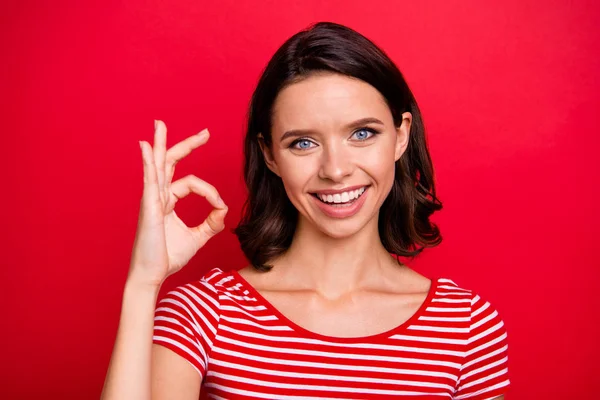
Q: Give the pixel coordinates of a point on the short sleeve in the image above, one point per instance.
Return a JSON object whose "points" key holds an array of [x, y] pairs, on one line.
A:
{"points": [[484, 373], [186, 320]]}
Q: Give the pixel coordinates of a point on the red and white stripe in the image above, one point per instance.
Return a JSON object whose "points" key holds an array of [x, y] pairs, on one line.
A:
{"points": [[455, 346]]}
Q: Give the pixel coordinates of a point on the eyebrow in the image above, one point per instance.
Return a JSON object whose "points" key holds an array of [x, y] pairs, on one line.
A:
{"points": [[355, 124]]}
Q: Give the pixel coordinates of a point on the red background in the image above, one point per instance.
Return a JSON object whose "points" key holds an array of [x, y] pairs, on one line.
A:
{"points": [[510, 96]]}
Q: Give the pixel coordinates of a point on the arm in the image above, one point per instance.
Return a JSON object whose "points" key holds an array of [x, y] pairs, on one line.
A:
{"points": [[173, 376], [128, 375], [138, 369]]}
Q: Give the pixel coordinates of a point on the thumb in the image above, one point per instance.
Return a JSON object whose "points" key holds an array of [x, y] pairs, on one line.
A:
{"points": [[213, 224]]}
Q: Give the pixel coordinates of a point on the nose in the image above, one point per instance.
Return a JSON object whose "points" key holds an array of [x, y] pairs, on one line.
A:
{"points": [[336, 163]]}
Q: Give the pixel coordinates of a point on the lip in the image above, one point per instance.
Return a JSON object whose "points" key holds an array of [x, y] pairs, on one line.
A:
{"points": [[343, 211], [348, 189]]}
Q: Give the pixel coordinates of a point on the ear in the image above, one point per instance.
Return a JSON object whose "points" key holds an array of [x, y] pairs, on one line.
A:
{"points": [[268, 155], [402, 135]]}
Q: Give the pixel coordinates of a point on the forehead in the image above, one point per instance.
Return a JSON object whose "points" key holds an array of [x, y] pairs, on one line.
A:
{"points": [[327, 100]]}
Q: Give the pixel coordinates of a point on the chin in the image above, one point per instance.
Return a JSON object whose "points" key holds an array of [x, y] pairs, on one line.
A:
{"points": [[340, 229]]}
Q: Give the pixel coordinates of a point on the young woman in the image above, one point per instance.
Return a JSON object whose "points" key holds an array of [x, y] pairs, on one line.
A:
{"points": [[340, 184]]}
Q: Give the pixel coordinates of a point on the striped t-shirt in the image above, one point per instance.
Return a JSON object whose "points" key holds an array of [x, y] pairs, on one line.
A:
{"points": [[453, 347]]}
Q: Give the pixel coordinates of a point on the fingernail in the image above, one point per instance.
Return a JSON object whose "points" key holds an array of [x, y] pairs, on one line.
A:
{"points": [[203, 132], [220, 201], [155, 124]]}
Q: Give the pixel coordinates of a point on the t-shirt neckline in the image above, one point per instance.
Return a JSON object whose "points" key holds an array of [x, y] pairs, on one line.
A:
{"points": [[358, 339]]}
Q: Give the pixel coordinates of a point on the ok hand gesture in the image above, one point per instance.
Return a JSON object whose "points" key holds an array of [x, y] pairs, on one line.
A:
{"points": [[163, 242]]}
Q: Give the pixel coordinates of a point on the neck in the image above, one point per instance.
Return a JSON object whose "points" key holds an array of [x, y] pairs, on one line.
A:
{"points": [[334, 266]]}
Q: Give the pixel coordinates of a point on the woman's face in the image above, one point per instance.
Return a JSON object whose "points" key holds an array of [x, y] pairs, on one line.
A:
{"points": [[336, 169]]}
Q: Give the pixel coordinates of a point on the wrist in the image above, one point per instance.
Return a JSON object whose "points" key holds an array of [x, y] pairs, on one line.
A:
{"points": [[139, 280], [141, 286]]}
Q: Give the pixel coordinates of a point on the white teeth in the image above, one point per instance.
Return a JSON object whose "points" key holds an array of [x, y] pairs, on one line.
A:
{"points": [[341, 197]]}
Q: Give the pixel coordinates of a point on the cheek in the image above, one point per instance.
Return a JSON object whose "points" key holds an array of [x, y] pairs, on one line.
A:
{"points": [[295, 173], [381, 165], [381, 158], [383, 172]]}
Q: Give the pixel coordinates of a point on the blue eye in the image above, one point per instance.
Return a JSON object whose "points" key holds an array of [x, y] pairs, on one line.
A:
{"points": [[301, 144], [360, 135], [364, 133]]}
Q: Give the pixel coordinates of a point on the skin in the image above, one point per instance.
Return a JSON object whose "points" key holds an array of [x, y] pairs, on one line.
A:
{"points": [[336, 279], [163, 244], [347, 284]]}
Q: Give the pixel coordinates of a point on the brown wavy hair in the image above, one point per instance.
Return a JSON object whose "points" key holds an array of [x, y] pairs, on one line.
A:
{"points": [[269, 218]]}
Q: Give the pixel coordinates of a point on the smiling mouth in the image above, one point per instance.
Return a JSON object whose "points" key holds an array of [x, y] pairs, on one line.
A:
{"points": [[340, 198]]}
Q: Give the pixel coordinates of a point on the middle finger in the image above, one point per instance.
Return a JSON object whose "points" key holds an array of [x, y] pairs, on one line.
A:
{"points": [[182, 150]]}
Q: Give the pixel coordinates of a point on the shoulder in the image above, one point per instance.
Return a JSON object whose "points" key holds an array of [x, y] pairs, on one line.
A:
{"points": [[483, 317], [187, 318], [198, 297], [212, 282], [209, 291], [447, 287], [194, 307], [484, 373]]}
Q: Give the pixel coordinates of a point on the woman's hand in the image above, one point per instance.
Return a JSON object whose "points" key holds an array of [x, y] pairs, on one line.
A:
{"points": [[163, 242]]}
